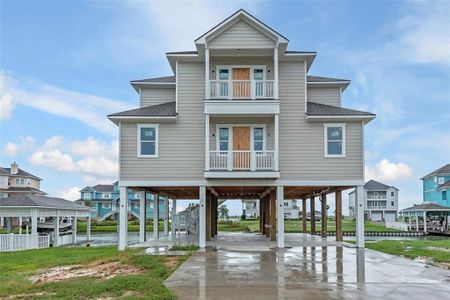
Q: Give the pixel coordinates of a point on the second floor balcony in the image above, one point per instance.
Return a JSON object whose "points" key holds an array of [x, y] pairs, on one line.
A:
{"points": [[241, 89], [242, 160]]}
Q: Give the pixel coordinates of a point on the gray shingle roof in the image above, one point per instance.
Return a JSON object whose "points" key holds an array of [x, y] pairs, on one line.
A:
{"points": [[164, 79], [27, 189], [426, 206], [442, 170], [160, 110], [317, 109], [103, 188], [7, 171], [183, 52], [171, 79], [40, 201], [373, 185]]}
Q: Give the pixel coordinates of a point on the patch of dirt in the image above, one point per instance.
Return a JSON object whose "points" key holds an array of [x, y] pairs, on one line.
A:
{"points": [[429, 261], [31, 296], [170, 261], [104, 271], [441, 249]]}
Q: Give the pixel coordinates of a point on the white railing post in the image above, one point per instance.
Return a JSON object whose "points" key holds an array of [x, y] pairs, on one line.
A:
{"points": [[207, 154], [253, 161], [252, 89], [275, 66], [230, 160], [230, 89]]}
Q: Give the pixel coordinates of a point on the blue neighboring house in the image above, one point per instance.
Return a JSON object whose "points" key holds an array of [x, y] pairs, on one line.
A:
{"points": [[104, 199], [436, 186]]}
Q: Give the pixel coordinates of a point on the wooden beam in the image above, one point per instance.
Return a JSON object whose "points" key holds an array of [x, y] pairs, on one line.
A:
{"points": [[213, 191], [312, 217], [324, 216], [305, 227], [273, 216], [266, 192], [339, 232]]}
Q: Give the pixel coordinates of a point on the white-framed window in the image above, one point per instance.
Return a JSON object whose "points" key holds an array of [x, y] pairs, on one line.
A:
{"points": [[334, 140], [441, 180], [3, 195], [106, 205], [392, 194], [20, 181], [224, 139], [392, 203], [147, 140], [86, 195], [258, 139], [106, 196]]}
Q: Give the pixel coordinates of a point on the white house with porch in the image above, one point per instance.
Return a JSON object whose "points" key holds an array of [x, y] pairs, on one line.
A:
{"points": [[242, 118]]}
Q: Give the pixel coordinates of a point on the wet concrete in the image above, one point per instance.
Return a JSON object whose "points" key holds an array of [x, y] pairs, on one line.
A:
{"points": [[313, 268]]}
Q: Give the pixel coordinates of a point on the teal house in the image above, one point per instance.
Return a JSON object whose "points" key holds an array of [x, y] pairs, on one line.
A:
{"points": [[104, 201], [436, 186]]}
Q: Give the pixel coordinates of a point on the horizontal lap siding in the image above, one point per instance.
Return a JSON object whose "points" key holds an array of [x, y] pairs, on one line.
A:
{"points": [[155, 96], [302, 142], [328, 96], [244, 61], [241, 35], [181, 144]]}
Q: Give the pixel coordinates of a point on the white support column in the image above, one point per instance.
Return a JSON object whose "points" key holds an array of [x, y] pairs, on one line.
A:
{"points": [[280, 217], [88, 227], [142, 232], [56, 230], [409, 221], [275, 67], [9, 222], [20, 225], [174, 216], [166, 216], [277, 140], [74, 228], [123, 218], [207, 142], [417, 222], [156, 215], [207, 84], [34, 217], [360, 217], [424, 221], [202, 218]]}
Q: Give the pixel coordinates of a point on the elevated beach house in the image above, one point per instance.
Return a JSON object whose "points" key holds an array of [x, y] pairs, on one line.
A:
{"points": [[241, 118], [436, 187]]}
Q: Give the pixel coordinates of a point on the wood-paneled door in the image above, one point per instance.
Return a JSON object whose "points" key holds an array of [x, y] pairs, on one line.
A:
{"points": [[241, 148], [241, 83]]}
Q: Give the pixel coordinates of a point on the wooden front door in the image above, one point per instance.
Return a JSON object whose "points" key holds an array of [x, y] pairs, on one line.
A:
{"points": [[241, 147], [241, 83]]}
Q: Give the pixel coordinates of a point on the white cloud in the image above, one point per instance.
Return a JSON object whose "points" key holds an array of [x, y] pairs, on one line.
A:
{"points": [[87, 109], [6, 105], [95, 160], [72, 193], [388, 171], [26, 144]]}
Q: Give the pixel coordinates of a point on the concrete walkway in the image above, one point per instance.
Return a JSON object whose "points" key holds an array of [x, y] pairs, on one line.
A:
{"points": [[246, 267]]}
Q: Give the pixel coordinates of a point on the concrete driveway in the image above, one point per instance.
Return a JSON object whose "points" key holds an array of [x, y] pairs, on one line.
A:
{"points": [[249, 270]]}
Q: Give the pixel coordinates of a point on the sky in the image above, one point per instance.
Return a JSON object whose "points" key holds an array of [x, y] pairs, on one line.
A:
{"points": [[64, 65]]}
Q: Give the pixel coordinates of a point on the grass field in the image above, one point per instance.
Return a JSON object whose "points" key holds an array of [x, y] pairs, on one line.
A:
{"points": [[438, 251], [17, 267]]}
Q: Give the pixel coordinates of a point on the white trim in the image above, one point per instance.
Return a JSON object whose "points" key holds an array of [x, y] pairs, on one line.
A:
{"points": [[207, 128], [242, 107], [275, 76], [176, 87], [280, 217], [363, 152], [120, 151], [207, 84], [153, 83], [325, 140], [333, 117], [241, 174], [306, 87], [276, 129], [156, 127], [230, 134]]}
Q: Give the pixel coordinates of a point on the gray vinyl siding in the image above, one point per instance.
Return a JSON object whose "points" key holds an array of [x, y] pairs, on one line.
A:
{"points": [[240, 61], [155, 96], [302, 142], [181, 144], [216, 121], [241, 35], [328, 96]]}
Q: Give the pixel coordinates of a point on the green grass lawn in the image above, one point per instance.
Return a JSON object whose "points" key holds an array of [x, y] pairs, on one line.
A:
{"points": [[17, 267], [437, 250]]}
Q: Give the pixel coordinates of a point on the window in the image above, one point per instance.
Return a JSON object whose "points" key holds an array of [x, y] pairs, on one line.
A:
{"points": [[392, 203], [3, 181], [147, 140], [286, 203], [3, 195], [86, 195], [334, 140], [258, 74], [444, 195], [441, 180], [258, 139], [106, 205], [20, 181], [224, 134], [392, 194], [224, 74], [107, 195]]}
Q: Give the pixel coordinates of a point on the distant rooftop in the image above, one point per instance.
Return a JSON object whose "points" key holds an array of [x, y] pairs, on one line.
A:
{"points": [[427, 207], [41, 202], [442, 170], [7, 171], [373, 185]]}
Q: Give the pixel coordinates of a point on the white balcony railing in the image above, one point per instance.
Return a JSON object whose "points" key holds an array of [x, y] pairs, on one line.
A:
{"points": [[242, 160], [241, 89]]}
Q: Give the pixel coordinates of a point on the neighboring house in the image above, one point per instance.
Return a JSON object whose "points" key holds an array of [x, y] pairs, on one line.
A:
{"points": [[380, 202], [104, 201], [291, 210], [15, 181], [250, 208], [436, 186], [241, 118]]}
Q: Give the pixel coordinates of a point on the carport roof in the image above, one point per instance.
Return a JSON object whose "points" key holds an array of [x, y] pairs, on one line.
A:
{"points": [[38, 201]]}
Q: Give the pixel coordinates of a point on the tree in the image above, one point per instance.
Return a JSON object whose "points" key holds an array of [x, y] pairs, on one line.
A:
{"points": [[223, 212]]}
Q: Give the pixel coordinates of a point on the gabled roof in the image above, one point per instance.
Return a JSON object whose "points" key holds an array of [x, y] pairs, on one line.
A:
{"points": [[164, 79], [160, 110], [427, 207], [318, 109], [40, 201], [103, 188], [373, 185], [240, 14], [312, 78], [26, 190], [442, 170], [7, 171]]}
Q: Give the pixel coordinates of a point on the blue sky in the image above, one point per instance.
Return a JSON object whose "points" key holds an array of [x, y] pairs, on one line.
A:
{"points": [[66, 64]]}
